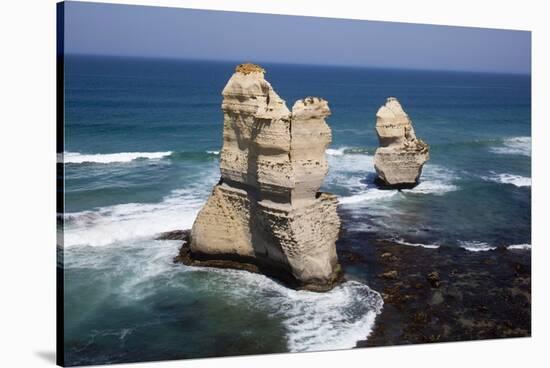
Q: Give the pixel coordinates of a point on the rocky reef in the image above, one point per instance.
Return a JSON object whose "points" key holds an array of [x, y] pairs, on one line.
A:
{"points": [[266, 214], [399, 158]]}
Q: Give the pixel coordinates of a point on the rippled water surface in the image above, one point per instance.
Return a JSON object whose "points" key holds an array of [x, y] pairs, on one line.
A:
{"points": [[142, 145]]}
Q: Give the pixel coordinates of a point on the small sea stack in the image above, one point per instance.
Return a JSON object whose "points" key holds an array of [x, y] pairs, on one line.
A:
{"points": [[399, 158], [266, 214]]}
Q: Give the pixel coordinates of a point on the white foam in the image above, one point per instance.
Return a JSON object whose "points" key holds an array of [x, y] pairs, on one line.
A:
{"points": [[519, 247], [314, 321], [432, 187], [346, 151], [352, 170], [117, 223], [514, 146], [216, 153], [335, 151], [333, 320], [374, 194], [369, 195], [402, 241], [354, 174], [107, 158], [435, 180], [476, 246], [517, 180]]}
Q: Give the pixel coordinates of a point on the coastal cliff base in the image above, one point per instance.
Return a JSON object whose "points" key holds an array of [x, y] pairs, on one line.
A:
{"points": [[251, 264]]}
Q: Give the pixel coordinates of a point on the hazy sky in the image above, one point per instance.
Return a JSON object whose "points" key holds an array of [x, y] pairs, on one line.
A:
{"points": [[105, 29]]}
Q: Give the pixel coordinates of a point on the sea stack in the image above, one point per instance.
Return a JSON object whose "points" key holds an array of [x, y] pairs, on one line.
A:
{"points": [[266, 214], [399, 159]]}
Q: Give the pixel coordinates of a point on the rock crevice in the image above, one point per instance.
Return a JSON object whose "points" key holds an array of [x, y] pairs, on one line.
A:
{"points": [[266, 214]]}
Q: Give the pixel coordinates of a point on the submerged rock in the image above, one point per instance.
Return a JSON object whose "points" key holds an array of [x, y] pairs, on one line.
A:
{"points": [[434, 279], [390, 275], [266, 214], [399, 159]]}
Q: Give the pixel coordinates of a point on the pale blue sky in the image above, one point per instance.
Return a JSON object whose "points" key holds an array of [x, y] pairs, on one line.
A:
{"points": [[126, 30]]}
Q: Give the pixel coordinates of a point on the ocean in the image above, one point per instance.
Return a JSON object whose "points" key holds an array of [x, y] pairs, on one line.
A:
{"points": [[142, 142]]}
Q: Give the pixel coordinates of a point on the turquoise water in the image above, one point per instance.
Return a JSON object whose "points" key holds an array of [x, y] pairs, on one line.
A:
{"points": [[142, 141]]}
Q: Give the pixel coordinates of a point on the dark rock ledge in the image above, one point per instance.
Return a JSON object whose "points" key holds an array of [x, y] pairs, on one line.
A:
{"points": [[445, 294]]}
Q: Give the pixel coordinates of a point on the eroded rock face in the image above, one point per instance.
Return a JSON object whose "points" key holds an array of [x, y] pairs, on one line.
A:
{"points": [[267, 210], [400, 157]]}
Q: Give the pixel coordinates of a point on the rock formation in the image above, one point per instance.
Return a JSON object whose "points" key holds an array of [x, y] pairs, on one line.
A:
{"points": [[400, 157], [266, 214]]}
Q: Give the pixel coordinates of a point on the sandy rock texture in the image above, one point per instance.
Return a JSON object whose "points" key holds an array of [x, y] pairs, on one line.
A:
{"points": [[401, 155], [267, 212]]}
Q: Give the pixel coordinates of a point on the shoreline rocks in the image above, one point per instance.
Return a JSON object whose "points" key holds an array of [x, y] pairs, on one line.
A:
{"points": [[399, 158], [266, 214], [440, 295]]}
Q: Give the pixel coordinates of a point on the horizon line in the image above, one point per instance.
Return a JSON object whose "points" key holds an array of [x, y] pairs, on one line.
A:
{"points": [[356, 66]]}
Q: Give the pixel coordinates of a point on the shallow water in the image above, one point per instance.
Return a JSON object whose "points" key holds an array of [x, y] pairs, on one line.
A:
{"points": [[142, 145]]}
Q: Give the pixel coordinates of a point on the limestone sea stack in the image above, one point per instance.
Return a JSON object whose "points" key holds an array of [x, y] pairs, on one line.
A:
{"points": [[266, 214], [399, 158]]}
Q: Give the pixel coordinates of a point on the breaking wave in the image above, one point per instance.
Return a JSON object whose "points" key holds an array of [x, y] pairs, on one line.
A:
{"points": [[519, 247], [107, 225], [346, 151], [107, 158], [476, 246], [313, 321], [404, 242], [436, 187], [369, 195], [514, 146], [335, 152], [354, 173], [517, 180]]}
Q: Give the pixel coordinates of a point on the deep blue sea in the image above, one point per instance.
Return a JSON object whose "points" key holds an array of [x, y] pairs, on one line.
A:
{"points": [[142, 142]]}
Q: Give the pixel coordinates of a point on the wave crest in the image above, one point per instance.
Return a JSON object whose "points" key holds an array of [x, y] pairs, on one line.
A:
{"points": [[108, 158], [514, 146], [519, 247], [517, 180], [346, 151], [404, 242], [121, 222], [369, 195], [436, 181], [476, 246], [432, 187]]}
